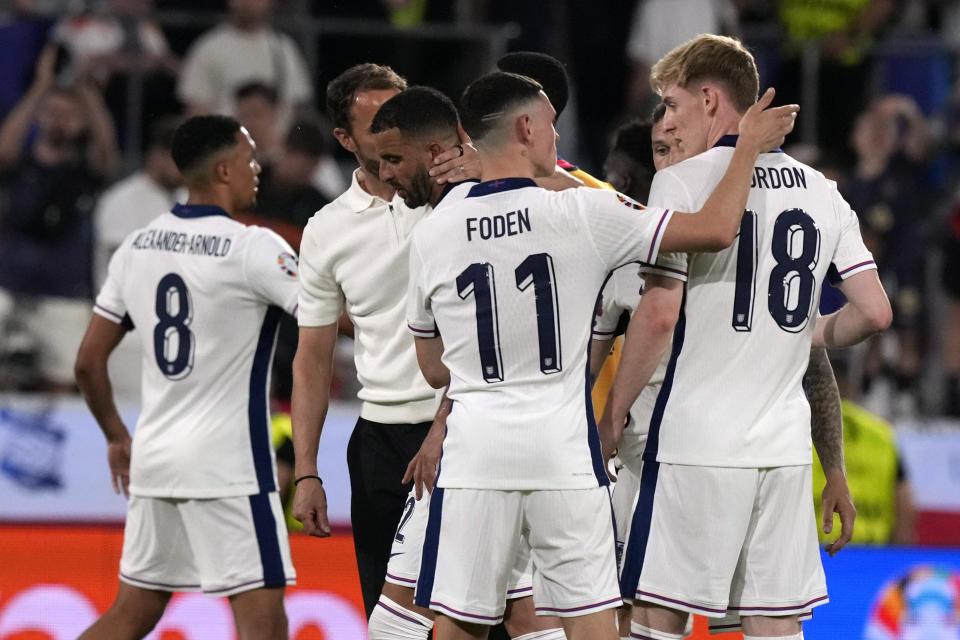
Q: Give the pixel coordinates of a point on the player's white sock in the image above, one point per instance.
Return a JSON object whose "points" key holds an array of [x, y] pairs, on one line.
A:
{"points": [[640, 632], [796, 636], [390, 621], [549, 634]]}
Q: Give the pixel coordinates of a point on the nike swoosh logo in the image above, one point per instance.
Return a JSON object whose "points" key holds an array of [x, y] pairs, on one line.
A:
{"points": [[396, 554]]}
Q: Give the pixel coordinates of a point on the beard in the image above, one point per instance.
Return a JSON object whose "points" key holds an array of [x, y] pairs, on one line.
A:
{"points": [[419, 191]]}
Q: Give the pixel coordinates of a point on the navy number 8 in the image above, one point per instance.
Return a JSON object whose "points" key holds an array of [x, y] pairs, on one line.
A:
{"points": [[172, 339]]}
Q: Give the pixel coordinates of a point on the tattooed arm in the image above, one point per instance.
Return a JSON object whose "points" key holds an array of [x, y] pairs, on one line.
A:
{"points": [[826, 431]]}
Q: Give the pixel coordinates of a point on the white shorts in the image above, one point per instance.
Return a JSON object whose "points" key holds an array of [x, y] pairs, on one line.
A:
{"points": [[473, 536], [221, 546], [624, 501], [713, 540], [407, 551]]}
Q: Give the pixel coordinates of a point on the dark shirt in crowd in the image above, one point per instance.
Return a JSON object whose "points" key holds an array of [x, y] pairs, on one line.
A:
{"points": [[46, 228]]}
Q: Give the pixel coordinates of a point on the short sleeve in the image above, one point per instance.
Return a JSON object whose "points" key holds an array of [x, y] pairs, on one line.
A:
{"points": [[321, 299], [617, 301], [271, 269], [851, 255], [420, 320], [110, 303], [622, 230], [669, 265], [669, 192]]}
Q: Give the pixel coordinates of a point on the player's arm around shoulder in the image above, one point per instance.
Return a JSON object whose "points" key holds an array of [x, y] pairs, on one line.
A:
{"points": [[715, 226]]}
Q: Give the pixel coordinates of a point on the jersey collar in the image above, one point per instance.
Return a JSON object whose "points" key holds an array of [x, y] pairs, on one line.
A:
{"points": [[451, 186], [730, 140], [499, 185], [197, 210]]}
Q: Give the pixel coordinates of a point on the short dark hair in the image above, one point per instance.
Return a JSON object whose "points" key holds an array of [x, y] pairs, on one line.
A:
{"points": [[658, 112], [201, 137], [633, 140], [491, 96], [417, 111], [545, 69], [362, 77], [256, 88], [307, 136]]}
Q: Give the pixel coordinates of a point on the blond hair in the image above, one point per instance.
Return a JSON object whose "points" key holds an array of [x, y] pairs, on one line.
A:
{"points": [[710, 58]]}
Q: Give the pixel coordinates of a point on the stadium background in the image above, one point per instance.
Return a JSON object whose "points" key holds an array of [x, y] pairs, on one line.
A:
{"points": [[61, 525]]}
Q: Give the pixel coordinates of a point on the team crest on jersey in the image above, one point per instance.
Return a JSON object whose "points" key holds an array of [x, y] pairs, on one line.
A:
{"points": [[288, 264], [627, 202]]}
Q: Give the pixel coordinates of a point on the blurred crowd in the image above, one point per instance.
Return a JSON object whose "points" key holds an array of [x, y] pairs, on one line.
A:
{"points": [[91, 91]]}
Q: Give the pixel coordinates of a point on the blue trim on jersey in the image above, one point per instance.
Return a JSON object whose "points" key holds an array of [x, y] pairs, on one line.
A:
{"points": [[257, 414], [450, 187], [197, 210], [643, 513], [730, 140], [265, 526], [593, 433], [499, 185], [431, 544]]}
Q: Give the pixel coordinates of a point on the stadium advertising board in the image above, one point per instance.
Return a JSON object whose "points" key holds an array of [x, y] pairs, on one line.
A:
{"points": [[54, 581], [53, 462]]}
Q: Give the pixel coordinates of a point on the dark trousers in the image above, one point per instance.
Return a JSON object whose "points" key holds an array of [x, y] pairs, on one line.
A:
{"points": [[377, 457]]}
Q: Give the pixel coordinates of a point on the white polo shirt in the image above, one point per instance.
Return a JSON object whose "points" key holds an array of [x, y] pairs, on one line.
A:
{"points": [[354, 256]]}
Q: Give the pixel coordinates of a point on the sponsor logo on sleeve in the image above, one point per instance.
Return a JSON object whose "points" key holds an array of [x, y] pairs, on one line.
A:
{"points": [[627, 202], [288, 264]]}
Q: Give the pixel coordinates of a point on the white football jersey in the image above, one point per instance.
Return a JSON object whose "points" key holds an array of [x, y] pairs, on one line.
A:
{"points": [[733, 392], [205, 293], [618, 302], [509, 278]]}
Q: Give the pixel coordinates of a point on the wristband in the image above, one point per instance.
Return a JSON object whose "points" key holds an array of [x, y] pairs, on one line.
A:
{"points": [[297, 481]]}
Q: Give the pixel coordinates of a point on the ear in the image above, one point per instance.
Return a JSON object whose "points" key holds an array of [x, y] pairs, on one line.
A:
{"points": [[434, 149], [524, 127], [221, 171], [345, 139], [710, 96]]}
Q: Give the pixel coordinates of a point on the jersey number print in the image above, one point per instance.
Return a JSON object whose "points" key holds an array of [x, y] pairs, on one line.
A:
{"points": [[172, 338], [790, 293], [536, 269]]}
